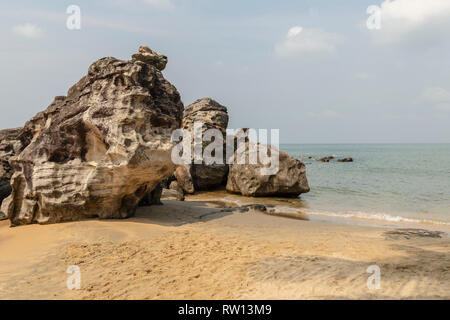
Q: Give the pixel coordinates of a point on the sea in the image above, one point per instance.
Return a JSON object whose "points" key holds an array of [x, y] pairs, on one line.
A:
{"points": [[386, 182]]}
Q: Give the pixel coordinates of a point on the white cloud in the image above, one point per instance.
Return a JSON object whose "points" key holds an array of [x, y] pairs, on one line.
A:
{"points": [[160, 4], [300, 40], [28, 30], [324, 114], [362, 75], [413, 20], [438, 96]]}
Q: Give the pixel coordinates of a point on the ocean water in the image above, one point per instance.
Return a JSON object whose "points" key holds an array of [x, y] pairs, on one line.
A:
{"points": [[393, 182]]}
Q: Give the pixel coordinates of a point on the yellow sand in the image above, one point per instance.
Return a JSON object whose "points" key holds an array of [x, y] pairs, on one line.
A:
{"points": [[191, 250]]}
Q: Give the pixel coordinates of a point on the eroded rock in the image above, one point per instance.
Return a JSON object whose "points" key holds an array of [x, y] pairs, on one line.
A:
{"points": [[213, 115], [99, 151], [9, 146], [148, 56]]}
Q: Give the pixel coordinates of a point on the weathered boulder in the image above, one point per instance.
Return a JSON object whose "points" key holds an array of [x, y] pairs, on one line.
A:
{"points": [[99, 151], [192, 176], [148, 56], [9, 146], [248, 179]]}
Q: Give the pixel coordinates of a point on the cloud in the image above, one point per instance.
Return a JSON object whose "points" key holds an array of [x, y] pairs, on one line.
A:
{"points": [[438, 96], [413, 21], [362, 75], [299, 40], [324, 114], [161, 4], [28, 30]]}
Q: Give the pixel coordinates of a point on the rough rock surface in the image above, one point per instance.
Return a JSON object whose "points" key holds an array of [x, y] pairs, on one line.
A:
{"points": [[99, 151], [289, 181], [184, 178], [9, 146], [147, 55], [213, 116]]}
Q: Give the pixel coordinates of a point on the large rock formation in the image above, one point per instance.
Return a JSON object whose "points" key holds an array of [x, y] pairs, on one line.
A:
{"points": [[249, 180], [9, 146], [99, 151], [201, 176]]}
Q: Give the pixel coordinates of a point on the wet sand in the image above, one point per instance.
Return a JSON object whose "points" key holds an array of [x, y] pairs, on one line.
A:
{"points": [[197, 250]]}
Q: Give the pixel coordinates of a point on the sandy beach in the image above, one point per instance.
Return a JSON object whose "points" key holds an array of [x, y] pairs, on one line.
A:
{"points": [[198, 250]]}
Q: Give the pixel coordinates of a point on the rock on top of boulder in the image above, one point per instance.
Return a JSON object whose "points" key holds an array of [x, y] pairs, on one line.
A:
{"points": [[206, 110], [147, 55]]}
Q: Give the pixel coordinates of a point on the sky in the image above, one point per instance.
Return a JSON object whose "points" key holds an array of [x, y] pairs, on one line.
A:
{"points": [[320, 71]]}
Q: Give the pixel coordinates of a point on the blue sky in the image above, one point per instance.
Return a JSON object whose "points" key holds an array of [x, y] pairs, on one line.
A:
{"points": [[310, 68]]}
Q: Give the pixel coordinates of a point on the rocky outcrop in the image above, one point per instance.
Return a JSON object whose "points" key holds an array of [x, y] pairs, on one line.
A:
{"points": [[99, 151], [247, 179], [192, 176], [9, 146]]}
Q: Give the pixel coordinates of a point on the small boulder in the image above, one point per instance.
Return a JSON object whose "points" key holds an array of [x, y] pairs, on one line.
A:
{"points": [[289, 181], [172, 194], [184, 178]]}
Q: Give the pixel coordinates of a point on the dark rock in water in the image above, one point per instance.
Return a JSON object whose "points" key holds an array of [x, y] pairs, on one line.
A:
{"points": [[99, 151], [325, 159], [201, 176], [289, 181], [346, 160]]}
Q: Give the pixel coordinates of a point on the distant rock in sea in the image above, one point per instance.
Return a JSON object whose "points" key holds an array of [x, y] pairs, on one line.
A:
{"points": [[346, 160], [325, 159], [102, 149]]}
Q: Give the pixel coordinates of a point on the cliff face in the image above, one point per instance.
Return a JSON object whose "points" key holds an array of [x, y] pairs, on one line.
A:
{"points": [[99, 151]]}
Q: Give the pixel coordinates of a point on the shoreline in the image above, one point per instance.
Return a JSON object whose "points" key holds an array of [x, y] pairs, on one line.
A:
{"points": [[297, 206], [198, 250]]}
